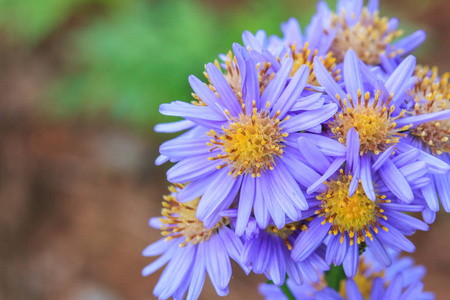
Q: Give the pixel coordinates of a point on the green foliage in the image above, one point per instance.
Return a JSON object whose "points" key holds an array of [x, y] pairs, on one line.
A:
{"points": [[139, 57], [334, 276], [136, 59]]}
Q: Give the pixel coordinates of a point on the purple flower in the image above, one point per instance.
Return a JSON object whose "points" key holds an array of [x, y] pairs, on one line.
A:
{"points": [[345, 222], [401, 280], [190, 251], [240, 140], [430, 97], [371, 127], [361, 29]]}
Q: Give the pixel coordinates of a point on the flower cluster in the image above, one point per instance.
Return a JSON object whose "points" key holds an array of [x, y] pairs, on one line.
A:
{"points": [[301, 152]]}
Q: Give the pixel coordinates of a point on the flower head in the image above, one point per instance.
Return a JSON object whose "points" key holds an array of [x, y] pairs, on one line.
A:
{"points": [[431, 95], [360, 28], [373, 125], [428, 102], [190, 250], [241, 139], [345, 222]]}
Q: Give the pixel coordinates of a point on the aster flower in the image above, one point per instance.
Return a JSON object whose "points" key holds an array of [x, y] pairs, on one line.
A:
{"points": [[431, 96], [371, 128], [240, 136], [345, 223], [190, 250], [267, 251], [401, 280], [301, 49], [360, 28]]}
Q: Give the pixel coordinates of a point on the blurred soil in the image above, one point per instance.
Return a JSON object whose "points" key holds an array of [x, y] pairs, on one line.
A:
{"points": [[76, 195]]}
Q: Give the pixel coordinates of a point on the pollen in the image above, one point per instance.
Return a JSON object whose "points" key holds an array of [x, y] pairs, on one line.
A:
{"points": [[304, 56], [369, 37], [179, 220], [355, 214], [377, 128], [431, 94], [250, 142]]}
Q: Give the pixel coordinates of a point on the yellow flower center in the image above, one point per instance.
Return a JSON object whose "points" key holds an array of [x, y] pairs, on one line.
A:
{"points": [[304, 57], [369, 37], [350, 214], [377, 129], [250, 143], [362, 280], [179, 220], [432, 94]]}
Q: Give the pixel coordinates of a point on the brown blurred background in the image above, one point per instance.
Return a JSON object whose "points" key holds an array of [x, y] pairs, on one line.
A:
{"points": [[80, 83]]}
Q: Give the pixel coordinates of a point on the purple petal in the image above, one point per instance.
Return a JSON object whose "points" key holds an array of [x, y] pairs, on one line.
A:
{"points": [[308, 241], [219, 190], [217, 262], [411, 42], [382, 158], [309, 150], [352, 290], [366, 177], [228, 99], [400, 78], [335, 165], [352, 75], [396, 182], [247, 197], [327, 145], [174, 126], [326, 80], [192, 168], [311, 118], [351, 260], [277, 84]]}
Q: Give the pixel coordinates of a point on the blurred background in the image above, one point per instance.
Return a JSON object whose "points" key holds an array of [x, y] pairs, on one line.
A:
{"points": [[80, 84]]}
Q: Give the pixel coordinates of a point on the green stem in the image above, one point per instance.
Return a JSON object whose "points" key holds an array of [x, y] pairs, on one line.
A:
{"points": [[285, 289], [334, 276]]}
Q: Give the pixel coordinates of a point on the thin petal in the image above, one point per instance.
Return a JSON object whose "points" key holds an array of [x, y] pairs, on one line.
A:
{"points": [[311, 118], [326, 80], [351, 260], [277, 84], [292, 92], [228, 99], [308, 241], [396, 182], [217, 263], [401, 78], [246, 200], [335, 165], [382, 158], [352, 75], [352, 290], [313, 154], [366, 177], [174, 126]]}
